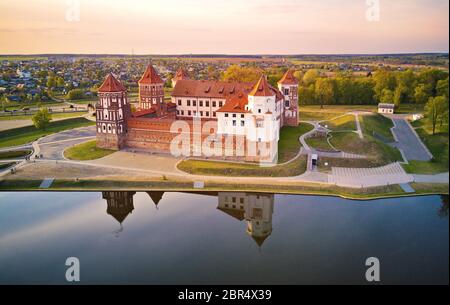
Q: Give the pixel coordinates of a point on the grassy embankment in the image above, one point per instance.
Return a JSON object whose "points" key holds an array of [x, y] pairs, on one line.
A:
{"points": [[169, 185], [86, 151], [23, 135], [438, 146], [66, 115], [6, 155], [288, 148]]}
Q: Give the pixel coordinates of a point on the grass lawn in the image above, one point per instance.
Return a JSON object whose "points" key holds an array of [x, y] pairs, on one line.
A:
{"points": [[317, 116], [319, 143], [214, 168], [378, 151], [410, 108], [6, 165], [20, 105], [54, 116], [289, 144], [346, 122], [14, 154], [339, 109], [378, 124], [23, 135], [438, 146], [86, 151]]}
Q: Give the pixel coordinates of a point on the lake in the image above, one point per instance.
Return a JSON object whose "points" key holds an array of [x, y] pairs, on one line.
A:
{"points": [[220, 238]]}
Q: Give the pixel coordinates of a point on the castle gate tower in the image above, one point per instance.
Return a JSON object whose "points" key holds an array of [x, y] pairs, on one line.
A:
{"points": [[151, 92], [288, 85]]}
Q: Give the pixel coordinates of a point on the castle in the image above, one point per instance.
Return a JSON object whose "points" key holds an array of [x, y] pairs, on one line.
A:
{"points": [[242, 120]]}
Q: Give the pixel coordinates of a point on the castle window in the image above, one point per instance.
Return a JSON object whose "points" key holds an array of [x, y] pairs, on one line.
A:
{"points": [[189, 112], [259, 110], [234, 115], [207, 103], [182, 112], [178, 112], [207, 113], [201, 113], [286, 91], [189, 102], [214, 104], [214, 114], [226, 115], [241, 200], [220, 104], [179, 102], [201, 103], [286, 103], [242, 123], [234, 122], [194, 103], [242, 116]]}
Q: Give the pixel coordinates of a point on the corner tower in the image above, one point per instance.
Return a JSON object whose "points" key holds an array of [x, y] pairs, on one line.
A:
{"points": [[113, 110], [288, 85], [180, 75], [151, 92]]}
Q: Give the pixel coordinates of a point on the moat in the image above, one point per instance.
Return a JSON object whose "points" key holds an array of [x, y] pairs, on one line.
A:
{"points": [[220, 238]]}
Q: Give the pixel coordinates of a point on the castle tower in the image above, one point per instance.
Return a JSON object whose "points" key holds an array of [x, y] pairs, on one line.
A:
{"points": [[113, 110], [288, 85], [258, 214], [120, 204], [180, 75], [151, 92]]}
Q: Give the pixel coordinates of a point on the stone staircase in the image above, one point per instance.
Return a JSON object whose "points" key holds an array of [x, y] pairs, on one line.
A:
{"points": [[368, 177]]}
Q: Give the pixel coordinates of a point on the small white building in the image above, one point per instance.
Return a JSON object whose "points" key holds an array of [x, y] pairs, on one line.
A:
{"points": [[385, 108]]}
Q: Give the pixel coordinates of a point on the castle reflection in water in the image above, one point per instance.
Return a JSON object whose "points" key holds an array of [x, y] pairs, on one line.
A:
{"points": [[256, 209]]}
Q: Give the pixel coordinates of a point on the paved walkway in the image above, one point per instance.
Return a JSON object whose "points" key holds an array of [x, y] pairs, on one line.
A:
{"points": [[409, 142], [369, 177]]}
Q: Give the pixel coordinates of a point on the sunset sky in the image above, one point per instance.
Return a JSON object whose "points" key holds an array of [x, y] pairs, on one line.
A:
{"points": [[222, 26]]}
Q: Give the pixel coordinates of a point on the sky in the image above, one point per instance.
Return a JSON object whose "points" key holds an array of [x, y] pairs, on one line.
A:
{"points": [[223, 26]]}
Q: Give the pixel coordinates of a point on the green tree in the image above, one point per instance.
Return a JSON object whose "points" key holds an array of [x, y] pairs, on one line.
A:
{"points": [[384, 80], [51, 82], [422, 93], [60, 81], [442, 87], [436, 110], [42, 118], [75, 94], [324, 90], [237, 73], [387, 96], [310, 77], [306, 95]]}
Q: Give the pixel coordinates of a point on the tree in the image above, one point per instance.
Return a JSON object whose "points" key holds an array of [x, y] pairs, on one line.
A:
{"points": [[310, 77], [241, 74], [422, 93], [306, 95], [436, 109], [5, 101], [387, 96], [75, 94], [324, 90], [60, 81], [51, 82], [400, 94], [42, 118], [442, 88], [384, 80]]}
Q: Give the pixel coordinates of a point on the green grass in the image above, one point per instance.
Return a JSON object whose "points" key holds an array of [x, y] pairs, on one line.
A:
{"points": [[339, 109], [438, 146], [214, 168], [319, 143], [378, 124], [343, 123], [289, 144], [317, 116], [23, 135], [376, 150], [54, 116], [86, 151], [14, 154], [410, 108], [20, 105]]}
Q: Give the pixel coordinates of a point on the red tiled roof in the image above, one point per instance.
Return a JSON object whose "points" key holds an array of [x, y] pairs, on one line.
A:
{"points": [[111, 84], [210, 89], [150, 76], [181, 74], [143, 112], [288, 78], [262, 88], [235, 104]]}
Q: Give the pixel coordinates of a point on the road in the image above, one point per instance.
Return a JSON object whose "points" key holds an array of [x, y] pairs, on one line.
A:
{"points": [[409, 142]]}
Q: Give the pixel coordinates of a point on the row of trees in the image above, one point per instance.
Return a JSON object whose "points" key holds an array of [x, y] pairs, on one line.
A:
{"points": [[383, 87]]}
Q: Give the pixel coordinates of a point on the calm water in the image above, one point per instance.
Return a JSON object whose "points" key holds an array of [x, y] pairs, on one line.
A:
{"points": [[225, 238]]}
